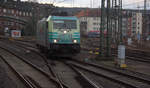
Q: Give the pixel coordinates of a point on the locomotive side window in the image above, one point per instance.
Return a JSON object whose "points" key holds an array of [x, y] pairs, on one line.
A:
{"points": [[46, 25], [65, 24]]}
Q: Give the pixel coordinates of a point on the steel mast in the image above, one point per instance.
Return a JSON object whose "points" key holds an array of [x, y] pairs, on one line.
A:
{"points": [[102, 28]]}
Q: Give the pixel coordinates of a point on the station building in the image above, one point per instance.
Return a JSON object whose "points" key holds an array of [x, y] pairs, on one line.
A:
{"points": [[27, 11], [13, 9]]}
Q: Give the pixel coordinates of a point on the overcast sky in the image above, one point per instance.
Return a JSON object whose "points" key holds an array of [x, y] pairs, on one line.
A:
{"points": [[88, 3]]}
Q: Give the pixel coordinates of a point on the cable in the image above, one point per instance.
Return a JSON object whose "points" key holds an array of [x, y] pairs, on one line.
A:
{"points": [[139, 2]]}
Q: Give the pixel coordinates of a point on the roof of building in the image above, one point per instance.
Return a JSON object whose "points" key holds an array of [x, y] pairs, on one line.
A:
{"points": [[62, 18], [89, 13]]}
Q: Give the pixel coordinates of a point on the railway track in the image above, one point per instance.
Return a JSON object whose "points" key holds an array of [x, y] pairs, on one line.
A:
{"points": [[129, 56], [72, 82], [128, 80], [37, 73], [71, 76], [95, 44], [135, 56], [25, 79], [125, 78], [25, 40], [55, 74], [28, 44]]}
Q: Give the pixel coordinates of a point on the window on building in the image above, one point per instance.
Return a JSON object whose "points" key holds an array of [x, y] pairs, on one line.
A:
{"points": [[1, 22], [17, 12], [4, 10], [30, 14], [94, 18], [5, 23], [12, 23], [85, 18], [134, 18], [94, 23], [12, 11], [24, 14], [94, 28], [9, 23], [9, 11], [20, 13]]}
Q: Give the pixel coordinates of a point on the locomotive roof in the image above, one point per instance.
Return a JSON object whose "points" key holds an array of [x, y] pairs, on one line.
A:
{"points": [[62, 18]]}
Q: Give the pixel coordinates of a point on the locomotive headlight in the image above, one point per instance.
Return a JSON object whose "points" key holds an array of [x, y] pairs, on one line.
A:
{"points": [[75, 41], [65, 32], [55, 41]]}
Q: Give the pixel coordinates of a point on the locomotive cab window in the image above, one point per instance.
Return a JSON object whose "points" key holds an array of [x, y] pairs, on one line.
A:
{"points": [[65, 24], [46, 25]]}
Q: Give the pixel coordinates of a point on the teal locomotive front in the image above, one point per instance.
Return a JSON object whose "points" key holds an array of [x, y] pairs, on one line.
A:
{"points": [[64, 34], [64, 37], [59, 35]]}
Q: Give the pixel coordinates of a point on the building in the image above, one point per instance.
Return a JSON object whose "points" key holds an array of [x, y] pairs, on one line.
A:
{"points": [[89, 20], [28, 11], [126, 23], [136, 24], [131, 22], [13, 9]]}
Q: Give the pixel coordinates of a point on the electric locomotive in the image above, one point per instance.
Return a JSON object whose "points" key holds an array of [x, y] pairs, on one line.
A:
{"points": [[58, 35]]}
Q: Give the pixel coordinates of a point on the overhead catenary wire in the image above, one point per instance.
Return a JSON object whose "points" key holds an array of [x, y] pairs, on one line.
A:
{"points": [[134, 4], [130, 4]]}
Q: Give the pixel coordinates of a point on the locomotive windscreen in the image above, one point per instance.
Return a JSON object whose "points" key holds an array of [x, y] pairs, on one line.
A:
{"points": [[65, 24]]}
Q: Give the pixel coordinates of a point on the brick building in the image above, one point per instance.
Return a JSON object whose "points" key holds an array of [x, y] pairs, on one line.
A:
{"points": [[28, 11], [14, 9]]}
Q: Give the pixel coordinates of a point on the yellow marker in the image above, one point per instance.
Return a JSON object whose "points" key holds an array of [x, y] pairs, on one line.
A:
{"points": [[123, 65], [11, 39], [90, 51], [97, 48], [96, 53], [20, 38]]}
